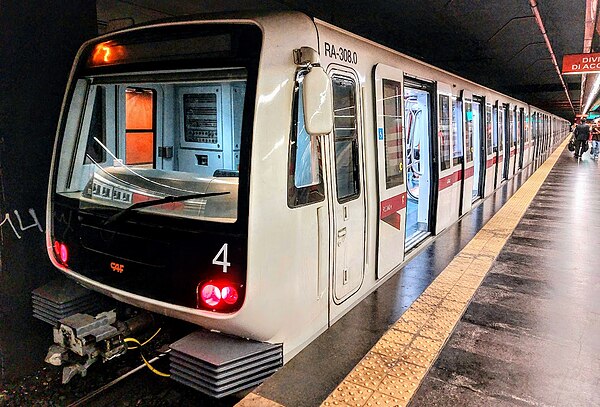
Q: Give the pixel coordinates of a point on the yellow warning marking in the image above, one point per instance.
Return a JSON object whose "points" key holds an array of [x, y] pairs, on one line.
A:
{"points": [[255, 400], [392, 371]]}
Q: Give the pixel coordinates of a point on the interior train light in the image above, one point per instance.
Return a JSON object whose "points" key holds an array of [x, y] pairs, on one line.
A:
{"points": [[61, 251]]}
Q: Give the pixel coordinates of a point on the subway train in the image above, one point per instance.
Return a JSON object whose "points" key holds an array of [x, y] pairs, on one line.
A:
{"points": [[258, 176]]}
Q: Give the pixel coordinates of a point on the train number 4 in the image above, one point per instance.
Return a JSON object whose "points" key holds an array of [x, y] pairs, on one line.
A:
{"points": [[224, 263]]}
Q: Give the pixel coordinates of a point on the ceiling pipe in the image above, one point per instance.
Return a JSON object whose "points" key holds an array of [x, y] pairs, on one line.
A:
{"points": [[540, 23]]}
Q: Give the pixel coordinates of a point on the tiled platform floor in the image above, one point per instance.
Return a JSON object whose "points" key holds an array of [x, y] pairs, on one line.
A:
{"points": [[531, 335]]}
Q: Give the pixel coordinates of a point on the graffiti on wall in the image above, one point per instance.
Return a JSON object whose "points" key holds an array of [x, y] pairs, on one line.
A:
{"points": [[15, 222]]}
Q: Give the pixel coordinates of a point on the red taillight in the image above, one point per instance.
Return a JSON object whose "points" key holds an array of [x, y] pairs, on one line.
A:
{"points": [[215, 294], [61, 251], [211, 295], [229, 295]]}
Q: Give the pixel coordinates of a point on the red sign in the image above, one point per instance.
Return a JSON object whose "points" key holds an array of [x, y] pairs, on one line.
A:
{"points": [[581, 63]]}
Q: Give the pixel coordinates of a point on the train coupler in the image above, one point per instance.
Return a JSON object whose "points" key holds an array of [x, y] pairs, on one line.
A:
{"points": [[81, 339]]}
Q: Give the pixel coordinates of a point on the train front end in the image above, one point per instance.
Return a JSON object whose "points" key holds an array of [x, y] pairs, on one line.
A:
{"points": [[149, 192]]}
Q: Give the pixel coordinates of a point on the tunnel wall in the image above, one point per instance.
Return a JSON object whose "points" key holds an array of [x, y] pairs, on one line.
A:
{"points": [[39, 40]]}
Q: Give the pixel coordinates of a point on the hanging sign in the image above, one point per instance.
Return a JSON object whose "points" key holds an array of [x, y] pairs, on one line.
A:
{"points": [[581, 63]]}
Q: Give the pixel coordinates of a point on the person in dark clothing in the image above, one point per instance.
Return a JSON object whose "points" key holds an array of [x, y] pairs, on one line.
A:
{"points": [[582, 135], [595, 150]]}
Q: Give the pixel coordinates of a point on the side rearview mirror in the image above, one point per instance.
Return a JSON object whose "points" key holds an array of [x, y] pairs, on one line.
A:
{"points": [[317, 95]]}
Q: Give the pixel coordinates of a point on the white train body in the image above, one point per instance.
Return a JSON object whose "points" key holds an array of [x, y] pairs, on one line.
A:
{"points": [[316, 244]]}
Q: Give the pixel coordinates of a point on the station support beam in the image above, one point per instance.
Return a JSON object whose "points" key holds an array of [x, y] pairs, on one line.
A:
{"points": [[39, 40]]}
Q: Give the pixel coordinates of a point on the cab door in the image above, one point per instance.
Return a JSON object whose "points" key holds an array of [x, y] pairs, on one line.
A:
{"points": [[389, 106], [348, 205], [469, 165], [449, 172]]}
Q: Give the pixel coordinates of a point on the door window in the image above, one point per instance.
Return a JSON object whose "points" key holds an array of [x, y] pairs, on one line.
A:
{"points": [[468, 131], [488, 130], [346, 139], [457, 131], [392, 130], [444, 131]]}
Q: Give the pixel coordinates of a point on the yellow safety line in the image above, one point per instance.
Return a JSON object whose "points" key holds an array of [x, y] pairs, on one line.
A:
{"points": [[256, 400], [392, 371]]}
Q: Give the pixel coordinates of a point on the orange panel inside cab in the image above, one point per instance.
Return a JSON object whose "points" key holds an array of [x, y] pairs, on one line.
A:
{"points": [[139, 134]]}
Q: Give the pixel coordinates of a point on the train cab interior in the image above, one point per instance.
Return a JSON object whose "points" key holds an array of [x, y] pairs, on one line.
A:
{"points": [[141, 140]]}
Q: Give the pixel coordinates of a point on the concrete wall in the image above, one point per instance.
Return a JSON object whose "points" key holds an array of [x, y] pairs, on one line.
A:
{"points": [[38, 41]]}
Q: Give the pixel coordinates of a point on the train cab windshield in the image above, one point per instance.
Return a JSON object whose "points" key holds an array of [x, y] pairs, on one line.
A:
{"points": [[155, 125]]}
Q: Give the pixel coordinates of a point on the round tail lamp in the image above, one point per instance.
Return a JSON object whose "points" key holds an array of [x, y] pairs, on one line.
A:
{"points": [[61, 252]]}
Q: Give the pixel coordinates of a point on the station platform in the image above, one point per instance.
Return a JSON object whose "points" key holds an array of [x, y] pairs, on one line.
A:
{"points": [[501, 309]]}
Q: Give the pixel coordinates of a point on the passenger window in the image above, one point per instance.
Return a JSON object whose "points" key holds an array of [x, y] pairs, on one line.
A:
{"points": [[94, 153], [457, 131], [468, 131], [346, 139], [444, 130], [488, 129], [392, 129], [305, 179], [139, 126]]}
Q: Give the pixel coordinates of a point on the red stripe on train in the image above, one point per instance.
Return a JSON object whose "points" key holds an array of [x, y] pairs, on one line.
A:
{"points": [[448, 180], [392, 205]]}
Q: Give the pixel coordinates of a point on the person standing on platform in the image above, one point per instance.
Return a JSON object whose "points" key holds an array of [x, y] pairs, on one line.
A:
{"points": [[582, 135], [595, 150]]}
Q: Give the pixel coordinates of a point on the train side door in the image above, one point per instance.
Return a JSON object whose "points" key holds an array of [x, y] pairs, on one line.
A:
{"points": [[478, 147], [419, 120], [510, 141], [389, 105], [523, 132], [469, 165], [490, 151], [506, 138], [496, 143], [448, 187], [458, 155], [347, 186], [517, 139]]}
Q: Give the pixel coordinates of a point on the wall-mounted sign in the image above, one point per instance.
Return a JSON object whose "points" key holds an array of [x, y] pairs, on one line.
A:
{"points": [[581, 63]]}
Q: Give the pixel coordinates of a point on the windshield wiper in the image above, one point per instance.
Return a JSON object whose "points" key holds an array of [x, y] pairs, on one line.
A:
{"points": [[167, 199]]}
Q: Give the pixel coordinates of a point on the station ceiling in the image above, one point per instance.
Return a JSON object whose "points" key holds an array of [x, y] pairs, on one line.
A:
{"points": [[495, 43]]}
